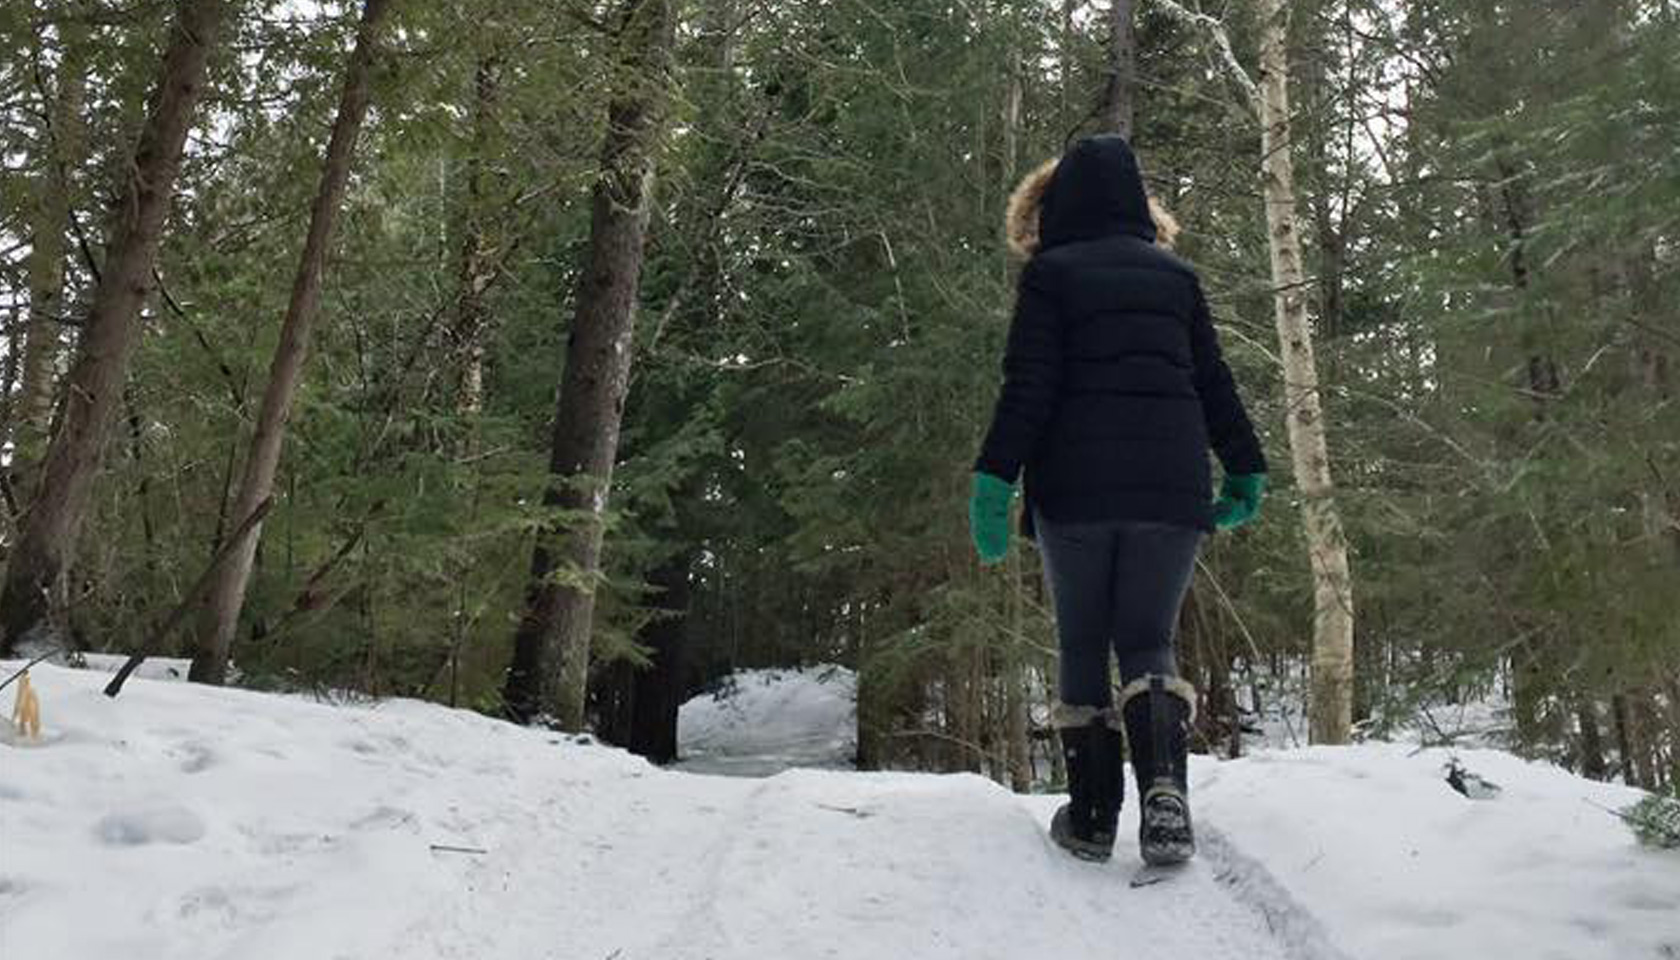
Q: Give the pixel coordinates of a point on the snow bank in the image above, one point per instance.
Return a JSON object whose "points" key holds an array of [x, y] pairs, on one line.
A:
{"points": [[190, 823], [760, 722], [152, 668], [187, 823], [1398, 866]]}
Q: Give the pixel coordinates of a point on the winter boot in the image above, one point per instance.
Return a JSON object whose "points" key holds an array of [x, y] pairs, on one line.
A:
{"points": [[1094, 749], [1158, 712]]}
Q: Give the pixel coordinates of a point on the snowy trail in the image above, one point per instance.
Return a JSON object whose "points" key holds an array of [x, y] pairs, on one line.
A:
{"points": [[187, 823], [200, 824], [824, 865]]}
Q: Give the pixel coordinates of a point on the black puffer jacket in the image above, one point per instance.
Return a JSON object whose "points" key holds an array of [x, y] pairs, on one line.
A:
{"points": [[1114, 384]]}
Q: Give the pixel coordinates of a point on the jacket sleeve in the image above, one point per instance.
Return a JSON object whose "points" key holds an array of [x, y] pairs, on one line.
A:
{"points": [[1229, 430], [1032, 377]]}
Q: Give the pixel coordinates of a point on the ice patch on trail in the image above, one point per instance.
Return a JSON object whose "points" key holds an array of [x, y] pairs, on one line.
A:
{"points": [[761, 722]]}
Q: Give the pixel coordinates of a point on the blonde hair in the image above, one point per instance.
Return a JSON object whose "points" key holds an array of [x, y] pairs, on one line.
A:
{"points": [[1166, 225]]}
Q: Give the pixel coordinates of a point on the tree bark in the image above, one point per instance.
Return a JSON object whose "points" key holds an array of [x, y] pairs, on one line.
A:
{"points": [[1332, 657], [550, 665], [1624, 739], [219, 618], [1591, 741], [1119, 105], [110, 332], [48, 247], [477, 264], [656, 692]]}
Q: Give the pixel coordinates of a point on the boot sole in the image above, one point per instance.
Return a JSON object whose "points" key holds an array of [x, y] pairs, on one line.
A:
{"points": [[1172, 843], [1089, 852], [1165, 855], [1093, 851]]}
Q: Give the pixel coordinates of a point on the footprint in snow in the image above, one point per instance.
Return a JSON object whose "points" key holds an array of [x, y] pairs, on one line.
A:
{"points": [[288, 844], [196, 757], [1430, 917], [230, 907], [384, 817], [1645, 900], [137, 828]]}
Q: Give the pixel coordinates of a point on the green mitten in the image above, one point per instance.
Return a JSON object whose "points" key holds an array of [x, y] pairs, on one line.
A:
{"points": [[1239, 500], [988, 516]]}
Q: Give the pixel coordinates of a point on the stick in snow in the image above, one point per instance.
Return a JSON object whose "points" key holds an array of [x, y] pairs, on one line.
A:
{"points": [[50, 651], [446, 848]]}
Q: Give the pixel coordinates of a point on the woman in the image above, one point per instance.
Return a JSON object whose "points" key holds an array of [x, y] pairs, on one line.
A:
{"points": [[1114, 391]]}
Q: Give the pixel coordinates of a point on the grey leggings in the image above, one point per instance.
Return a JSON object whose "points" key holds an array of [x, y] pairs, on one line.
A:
{"points": [[1118, 585]]}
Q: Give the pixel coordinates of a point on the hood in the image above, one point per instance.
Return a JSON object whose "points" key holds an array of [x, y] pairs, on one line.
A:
{"points": [[1094, 190]]}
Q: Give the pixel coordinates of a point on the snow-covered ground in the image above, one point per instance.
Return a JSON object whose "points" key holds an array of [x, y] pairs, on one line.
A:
{"points": [[760, 722], [187, 822], [1396, 865]]}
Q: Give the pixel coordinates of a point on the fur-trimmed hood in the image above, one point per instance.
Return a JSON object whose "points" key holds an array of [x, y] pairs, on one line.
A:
{"points": [[1094, 190]]}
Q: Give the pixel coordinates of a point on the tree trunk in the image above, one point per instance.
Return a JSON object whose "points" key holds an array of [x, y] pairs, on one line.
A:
{"points": [[1020, 746], [550, 665], [873, 717], [1015, 677], [656, 692], [1649, 724], [1591, 752], [1672, 695], [476, 265], [1119, 104], [1332, 658], [220, 616], [48, 246], [110, 332], [1624, 749]]}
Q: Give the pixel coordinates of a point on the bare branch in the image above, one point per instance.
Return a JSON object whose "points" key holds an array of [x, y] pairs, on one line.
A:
{"points": [[1215, 29]]}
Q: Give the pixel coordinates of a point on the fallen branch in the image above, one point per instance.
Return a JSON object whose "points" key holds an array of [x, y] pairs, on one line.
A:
{"points": [[193, 598]]}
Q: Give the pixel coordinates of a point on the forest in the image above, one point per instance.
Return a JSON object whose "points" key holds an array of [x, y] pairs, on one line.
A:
{"points": [[558, 359]]}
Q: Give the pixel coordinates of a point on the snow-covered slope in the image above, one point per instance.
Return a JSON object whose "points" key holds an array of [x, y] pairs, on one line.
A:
{"points": [[760, 722], [1398, 866], [185, 822]]}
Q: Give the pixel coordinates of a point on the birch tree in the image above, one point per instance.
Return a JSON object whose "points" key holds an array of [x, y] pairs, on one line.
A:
{"points": [[1331, 716], [220, 616], [1331, 705]]}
